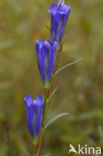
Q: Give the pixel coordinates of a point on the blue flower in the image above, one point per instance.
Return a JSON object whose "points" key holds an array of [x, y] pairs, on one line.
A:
{"points": [[34, 114], [46, 54], [59, 16]]}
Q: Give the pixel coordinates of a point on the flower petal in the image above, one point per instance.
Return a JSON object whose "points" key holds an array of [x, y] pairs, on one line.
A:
{"points": [[53, 8], [28, 100]]}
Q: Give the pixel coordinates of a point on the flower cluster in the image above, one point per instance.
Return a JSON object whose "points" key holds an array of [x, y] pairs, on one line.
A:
{"points": [[46, 58]]}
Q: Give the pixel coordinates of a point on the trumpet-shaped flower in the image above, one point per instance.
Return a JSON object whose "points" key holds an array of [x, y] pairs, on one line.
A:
{"points": [[46, 53], [59, 16], [34, 114]]}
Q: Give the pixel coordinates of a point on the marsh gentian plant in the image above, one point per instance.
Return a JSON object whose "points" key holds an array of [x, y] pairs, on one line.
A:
{"points": [[47, 57]]}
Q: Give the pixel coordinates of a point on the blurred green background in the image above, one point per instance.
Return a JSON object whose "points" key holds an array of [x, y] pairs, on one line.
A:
{"points": [[80, 87]]}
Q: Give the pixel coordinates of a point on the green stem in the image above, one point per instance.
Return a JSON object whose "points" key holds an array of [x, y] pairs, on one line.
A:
{"points": [[43, 123], [34, 151], [46, 89], [35, 143]]}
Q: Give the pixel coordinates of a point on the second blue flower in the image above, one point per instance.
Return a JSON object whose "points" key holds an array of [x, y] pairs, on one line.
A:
{"points": [[46, 53]]}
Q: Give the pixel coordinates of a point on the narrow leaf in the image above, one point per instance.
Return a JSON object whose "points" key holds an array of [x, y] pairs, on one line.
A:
{"points": [[55, 118], [47, 27], [67, 65], [52, 94]]}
